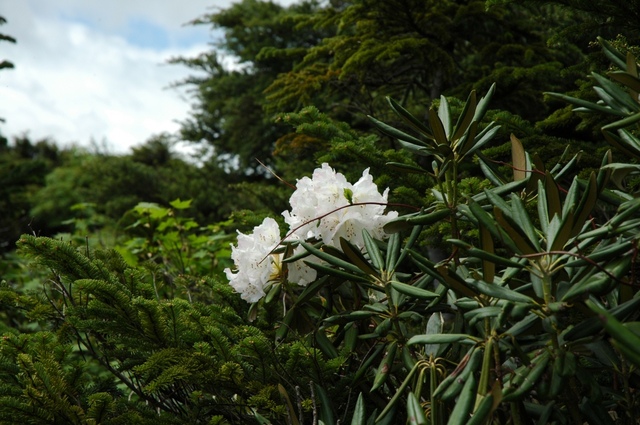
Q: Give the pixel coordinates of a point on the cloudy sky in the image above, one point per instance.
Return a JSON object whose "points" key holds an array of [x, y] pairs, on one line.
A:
{"points": [[94, 70]]}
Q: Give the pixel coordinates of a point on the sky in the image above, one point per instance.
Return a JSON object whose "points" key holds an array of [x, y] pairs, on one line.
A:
{"points": [[95, 73]]}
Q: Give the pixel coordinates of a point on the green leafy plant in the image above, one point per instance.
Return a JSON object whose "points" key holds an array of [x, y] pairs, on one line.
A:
{"points": [[526, 312], [517, 321]]}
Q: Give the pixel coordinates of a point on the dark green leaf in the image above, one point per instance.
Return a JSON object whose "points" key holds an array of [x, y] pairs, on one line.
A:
{"points": [[500, 292], [412, 291], [442, 339], [358, 413]]}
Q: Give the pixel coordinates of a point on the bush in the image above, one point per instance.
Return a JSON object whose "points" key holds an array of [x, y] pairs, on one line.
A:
{"points": [[525, 311]]}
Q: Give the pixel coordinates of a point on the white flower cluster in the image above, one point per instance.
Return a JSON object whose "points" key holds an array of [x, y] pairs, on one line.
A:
{"points": [[325, 207]]}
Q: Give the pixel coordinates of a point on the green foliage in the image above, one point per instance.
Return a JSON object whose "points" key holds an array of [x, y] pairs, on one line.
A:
{"points": [[227, 114], [506, 293], [533, 319], [412, 50], [130, 347], [595, 18], [23, 167], [174, 245]]}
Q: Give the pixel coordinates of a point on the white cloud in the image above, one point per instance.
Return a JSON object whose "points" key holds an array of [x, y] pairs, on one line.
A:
{"points": [[97, 70]]}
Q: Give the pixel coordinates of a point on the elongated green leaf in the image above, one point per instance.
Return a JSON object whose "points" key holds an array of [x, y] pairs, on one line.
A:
{"points": [[311, 290], [522, 325], [612, 53], [444, 113], [632, 354], [500, 292], [490, 170], [261, 419], [543, 207], [398, 394], [372, 249], [607, 253], [525, 377], [473, 316], [351, 316], [610, 101], [404, 251], [589, 106], [435, 326], [409, 118], [412, 291], [488, 256], [393, 252], [482, 411], [424, 264], [584, 208], [490, 224], [397, 134], [333, 260], [599, 282], [336, 272], [522, 243], [358, 413], [559, 232], [483, 104], [407, 168], [419, 150], [521, 216], [467, 367], [628, 138], [480, 140], [465, 402], [325, 411], [500, 190], [428, 219], [499, 202], [617, 173], [356, 257], [415, 414], [627, 339], [465, 117], [617, 142], [325, 345], [442, 339], [438, 129], [469, 139], [593, 325], [455, 282], [632, 65], [301, 255], [626, 211], [625, 122], [385, 366], [618, 96]]}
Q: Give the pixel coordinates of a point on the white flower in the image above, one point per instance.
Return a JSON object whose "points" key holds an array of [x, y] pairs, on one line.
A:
{"points": [[257, 265], [323, 207], [328, 193], [298, 272]]}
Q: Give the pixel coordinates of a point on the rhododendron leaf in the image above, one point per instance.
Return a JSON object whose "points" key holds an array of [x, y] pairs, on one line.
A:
{"points": [[337, 272], [331, 259], [465, 117], [373, 250], [356, 257], [409, 118]]}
